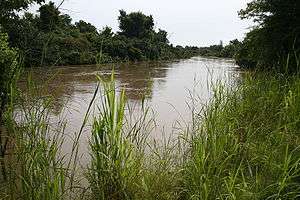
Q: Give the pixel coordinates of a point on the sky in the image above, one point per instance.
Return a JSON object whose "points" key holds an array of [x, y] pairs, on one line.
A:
{"points": [[188, 22]]}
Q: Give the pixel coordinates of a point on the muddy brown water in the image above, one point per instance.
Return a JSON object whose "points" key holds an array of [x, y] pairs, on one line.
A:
{"points": [[167, 88]]}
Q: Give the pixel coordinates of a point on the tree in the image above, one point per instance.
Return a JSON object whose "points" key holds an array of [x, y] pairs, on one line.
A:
{"points": [[10, 8], [50, 38], [135, 24], [230, 50], [162, 36], [49, 17], [65, 21], [8, 66], [85, 27], [276, 36], [107, 32]]}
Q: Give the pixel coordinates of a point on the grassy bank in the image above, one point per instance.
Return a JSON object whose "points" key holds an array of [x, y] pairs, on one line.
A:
{"points": [[247, 142], [244, 144]]}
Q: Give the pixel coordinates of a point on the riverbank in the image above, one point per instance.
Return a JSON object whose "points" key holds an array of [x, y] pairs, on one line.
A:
{"points": [[247, 146], [243, 144]]}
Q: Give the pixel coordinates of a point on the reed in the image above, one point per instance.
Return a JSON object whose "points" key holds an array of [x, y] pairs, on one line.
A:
{"points": [[115, 162]]}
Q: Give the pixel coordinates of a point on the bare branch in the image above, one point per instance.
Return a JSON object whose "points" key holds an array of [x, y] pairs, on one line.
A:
{"points": [[61, 3]]}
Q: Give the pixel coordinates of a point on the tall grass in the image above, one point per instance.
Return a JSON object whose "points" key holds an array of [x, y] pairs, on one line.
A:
{"points": [[123, 165], [247, 142], [245, 145], [115, 161], [36, 165]]}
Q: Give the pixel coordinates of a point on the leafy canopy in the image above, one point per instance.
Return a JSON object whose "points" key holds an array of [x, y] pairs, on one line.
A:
{"points": [[135, 24], [49, 17], [276, 36], [9, 7], [8, 67]]}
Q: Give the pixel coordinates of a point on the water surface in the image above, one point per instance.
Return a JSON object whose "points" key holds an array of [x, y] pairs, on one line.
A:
{"points": [[167, 88]]}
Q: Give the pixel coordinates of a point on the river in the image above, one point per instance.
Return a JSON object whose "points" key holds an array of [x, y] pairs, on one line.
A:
{"points": [[169, 89]]}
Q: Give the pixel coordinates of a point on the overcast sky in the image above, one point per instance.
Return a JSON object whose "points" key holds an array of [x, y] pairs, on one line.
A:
{"points": [[188, 22]]}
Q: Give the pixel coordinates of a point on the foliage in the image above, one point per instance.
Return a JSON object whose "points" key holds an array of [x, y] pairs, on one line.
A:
{"points": [[275, 39], [49, 17], [50, 38], [112, 164], [8, 8], [229, 51], [8, 68], [135, 24], [243, 145], [38, 163], [273, 43], [85, 27]]}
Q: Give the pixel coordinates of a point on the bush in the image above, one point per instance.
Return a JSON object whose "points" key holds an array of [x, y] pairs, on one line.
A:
{"points": [[8, 68]]}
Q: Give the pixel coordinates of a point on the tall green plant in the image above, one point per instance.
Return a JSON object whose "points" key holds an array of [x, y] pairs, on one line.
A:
{"points": [[36, 165], [113, 165]]}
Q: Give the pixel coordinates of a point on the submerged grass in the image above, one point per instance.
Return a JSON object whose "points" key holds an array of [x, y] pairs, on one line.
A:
{"points": [[244, 145]]}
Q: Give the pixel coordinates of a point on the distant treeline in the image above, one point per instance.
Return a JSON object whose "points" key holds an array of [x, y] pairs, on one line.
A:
{"points": [[228, 51], [50, 38]]}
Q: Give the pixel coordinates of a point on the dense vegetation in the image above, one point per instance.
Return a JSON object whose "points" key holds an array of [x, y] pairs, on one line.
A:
{"points": [[244, 144], [275, 41], [50, 38], [248, 144], [228, 51]]}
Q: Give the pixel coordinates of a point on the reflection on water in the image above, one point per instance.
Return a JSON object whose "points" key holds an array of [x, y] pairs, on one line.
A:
{"points": [[166, 86]]}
